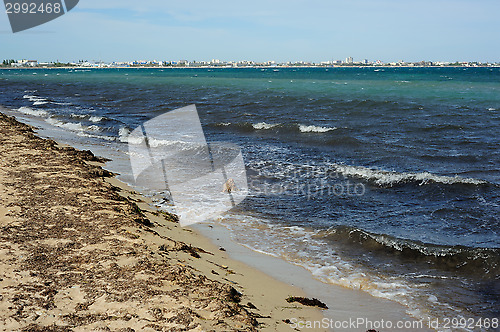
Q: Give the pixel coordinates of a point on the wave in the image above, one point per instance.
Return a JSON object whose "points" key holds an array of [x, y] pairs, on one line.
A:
{"points": [[73, 126], [30, 111], [124, 137], [317, 252], [96, 119], [124, 134], [455, 258], [103, 137], [263, 125], [390, 178], [36, 100], [314, 129], [247, 126], [91, 118], [78, 116]]}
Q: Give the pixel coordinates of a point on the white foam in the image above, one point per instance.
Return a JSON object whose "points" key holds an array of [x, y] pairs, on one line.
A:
{"points": [[387, 178], [96, 119], [304, 247], [78, 116], [34, 98], [263, 125], [124, 133], [73, 126], [36, 103], [314, 129], [94, 128], [107, 138], [154, 142], [30, 111], [492, 109]]}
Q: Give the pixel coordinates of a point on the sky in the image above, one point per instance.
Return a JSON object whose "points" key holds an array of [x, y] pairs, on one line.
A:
{"points": [[263, 30]]}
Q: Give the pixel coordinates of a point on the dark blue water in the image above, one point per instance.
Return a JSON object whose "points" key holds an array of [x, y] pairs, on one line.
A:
{"points": [[384, 179]]}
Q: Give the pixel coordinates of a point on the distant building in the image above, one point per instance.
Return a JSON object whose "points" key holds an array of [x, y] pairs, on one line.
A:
{"points": [[349, 60], [25, 63]]}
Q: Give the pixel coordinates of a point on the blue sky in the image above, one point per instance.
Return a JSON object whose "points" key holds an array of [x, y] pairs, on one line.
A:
{"points": [[292, 30]]}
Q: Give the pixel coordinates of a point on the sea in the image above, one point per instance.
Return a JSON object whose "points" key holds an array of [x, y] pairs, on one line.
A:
{"points": [[379, 179]]}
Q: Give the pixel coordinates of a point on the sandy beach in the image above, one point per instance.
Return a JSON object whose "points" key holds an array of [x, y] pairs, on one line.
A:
{"points": [[81, 251]]}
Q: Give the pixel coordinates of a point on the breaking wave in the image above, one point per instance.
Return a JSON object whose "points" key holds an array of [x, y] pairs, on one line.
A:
{"points": [[391, 178], [29, 111], [263, 125], [485, 261], [73, 126], [247, 126], [314, 129]]}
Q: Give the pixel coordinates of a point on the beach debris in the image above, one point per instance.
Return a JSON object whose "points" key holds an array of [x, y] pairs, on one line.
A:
{"points": [[163, 248], [251, 306], [169, 216], [99, 172], [229, 186], [141, 218], [232, 294], [86, 155], [308, 302], [193, 251]]}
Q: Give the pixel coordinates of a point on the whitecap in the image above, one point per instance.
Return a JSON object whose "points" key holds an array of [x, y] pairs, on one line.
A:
{"points": [[106, 138], [30, 111], [315, 129], [96, 119], [73, 126], [34, 99], [390, 178], [263, 125], [94, 128]]}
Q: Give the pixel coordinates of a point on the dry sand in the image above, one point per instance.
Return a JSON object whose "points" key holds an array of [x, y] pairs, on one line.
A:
{"points": [[80, 251]]}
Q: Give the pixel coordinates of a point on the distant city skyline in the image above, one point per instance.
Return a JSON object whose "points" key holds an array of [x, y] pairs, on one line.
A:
{"points": [[295, 30], [214, 63]]}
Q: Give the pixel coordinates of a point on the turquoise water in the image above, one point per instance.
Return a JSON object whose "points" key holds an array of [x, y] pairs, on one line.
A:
{"points": [[418, 147]]}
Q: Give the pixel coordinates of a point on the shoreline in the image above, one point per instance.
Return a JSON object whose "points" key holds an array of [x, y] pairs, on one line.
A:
{"points": [[81, 250], [263, 273]]}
